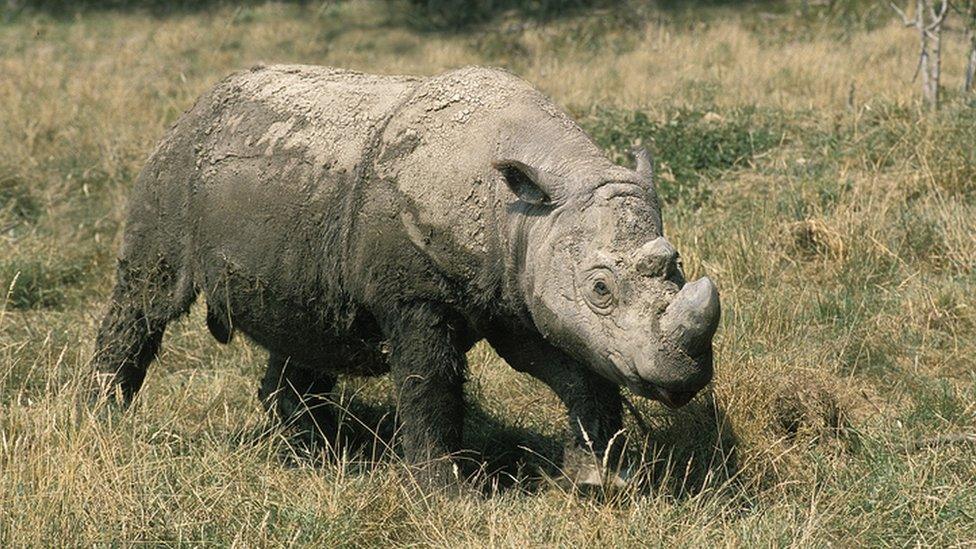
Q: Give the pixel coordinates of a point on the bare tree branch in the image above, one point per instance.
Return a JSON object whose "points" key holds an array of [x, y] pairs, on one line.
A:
{"points": [[904, 18], [938, 19], [928, 21]]}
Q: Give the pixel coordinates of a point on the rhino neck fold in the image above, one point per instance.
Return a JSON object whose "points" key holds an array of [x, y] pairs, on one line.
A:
{"points": [[522, 257]]}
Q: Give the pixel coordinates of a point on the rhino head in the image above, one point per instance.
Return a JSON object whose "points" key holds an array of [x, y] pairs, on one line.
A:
{"points": [[605, 285]]}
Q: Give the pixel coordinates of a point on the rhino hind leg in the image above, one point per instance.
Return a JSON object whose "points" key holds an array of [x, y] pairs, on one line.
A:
{"points": [[143, 302], [299, 398]]}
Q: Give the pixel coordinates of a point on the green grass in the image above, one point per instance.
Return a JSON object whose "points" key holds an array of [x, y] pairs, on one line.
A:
{"points": [[689, 145], [841, 237]]}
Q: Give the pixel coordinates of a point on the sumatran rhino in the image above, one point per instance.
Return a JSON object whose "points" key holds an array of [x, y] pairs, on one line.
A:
{"points": [[360, 224]]}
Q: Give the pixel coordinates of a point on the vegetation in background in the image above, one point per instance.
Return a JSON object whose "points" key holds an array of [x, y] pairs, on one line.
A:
{"points": [[798, 170], [689, 145]]}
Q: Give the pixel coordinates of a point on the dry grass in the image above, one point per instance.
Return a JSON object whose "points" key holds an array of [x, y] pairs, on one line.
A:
{"points": [[842, 242]]}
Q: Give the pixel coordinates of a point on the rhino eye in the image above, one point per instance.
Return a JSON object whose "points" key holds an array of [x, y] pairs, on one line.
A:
{"points": [[600, 291]]}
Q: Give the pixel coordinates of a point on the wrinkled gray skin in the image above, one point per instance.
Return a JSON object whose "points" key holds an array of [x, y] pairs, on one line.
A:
{"points": [[360, 224]]}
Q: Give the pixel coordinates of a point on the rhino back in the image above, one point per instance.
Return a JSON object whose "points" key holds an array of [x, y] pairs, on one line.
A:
{"points": [[278, 152]]}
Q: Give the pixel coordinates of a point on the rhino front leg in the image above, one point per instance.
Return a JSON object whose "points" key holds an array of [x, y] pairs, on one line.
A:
{"points": [[593, 404], [427, 365]]}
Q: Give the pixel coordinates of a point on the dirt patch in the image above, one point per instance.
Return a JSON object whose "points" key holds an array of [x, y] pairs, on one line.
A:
{"points": [[812, 238], [807, 407]]}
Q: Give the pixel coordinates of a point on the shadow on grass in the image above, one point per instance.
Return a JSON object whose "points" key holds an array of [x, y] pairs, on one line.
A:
{"points": [[66, 9], [420, 15], [689, 451], [498, 455]]}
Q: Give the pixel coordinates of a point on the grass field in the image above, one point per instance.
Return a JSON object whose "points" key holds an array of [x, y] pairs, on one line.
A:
{"points": [[837, 217]]}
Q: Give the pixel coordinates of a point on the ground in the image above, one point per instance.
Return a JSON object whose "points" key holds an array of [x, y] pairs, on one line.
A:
{"points": [[798, 170]]}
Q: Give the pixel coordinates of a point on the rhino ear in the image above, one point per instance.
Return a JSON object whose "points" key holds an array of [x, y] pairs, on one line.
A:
{"points": [[524, 182]]}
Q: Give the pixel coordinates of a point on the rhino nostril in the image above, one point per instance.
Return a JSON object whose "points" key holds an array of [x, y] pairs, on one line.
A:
{"points": [[676, 270]]}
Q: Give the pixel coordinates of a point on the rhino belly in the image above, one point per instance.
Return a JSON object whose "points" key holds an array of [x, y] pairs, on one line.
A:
{"points": [[269, 250], [322, 334]]}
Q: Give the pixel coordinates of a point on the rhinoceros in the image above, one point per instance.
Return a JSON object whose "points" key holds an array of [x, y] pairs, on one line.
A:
{"points": [[361, 224]]}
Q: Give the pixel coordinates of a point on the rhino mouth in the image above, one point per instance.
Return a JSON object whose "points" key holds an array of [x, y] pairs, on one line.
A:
{"points": [[675, 399], [677, 368], [674, 395]]}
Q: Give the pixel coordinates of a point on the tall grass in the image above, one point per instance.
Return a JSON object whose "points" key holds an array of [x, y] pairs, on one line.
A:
{"points": [[838, 226]]}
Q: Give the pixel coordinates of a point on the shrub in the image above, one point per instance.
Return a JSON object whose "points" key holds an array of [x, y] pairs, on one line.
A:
{"points": [[689, 144]]}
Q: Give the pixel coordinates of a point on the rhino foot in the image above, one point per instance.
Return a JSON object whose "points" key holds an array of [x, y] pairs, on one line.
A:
{"points": [[585, 472]]}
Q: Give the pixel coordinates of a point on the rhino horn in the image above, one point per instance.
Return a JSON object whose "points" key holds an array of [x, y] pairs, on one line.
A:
{"points": [[691, 319], [645, 166]]}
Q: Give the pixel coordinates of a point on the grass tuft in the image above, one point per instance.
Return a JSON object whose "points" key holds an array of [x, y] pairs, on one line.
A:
{"points": [[40, 283]]}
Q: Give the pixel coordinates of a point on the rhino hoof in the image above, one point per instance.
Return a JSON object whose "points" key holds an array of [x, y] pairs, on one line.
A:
{"points": [[581, 472]]}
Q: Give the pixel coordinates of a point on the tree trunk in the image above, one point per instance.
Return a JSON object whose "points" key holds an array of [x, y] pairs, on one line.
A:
{"points": [[971, 65], [935, 65], [930, 93], [929, 24]]}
